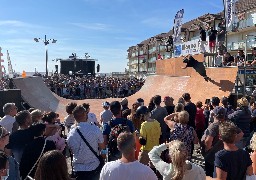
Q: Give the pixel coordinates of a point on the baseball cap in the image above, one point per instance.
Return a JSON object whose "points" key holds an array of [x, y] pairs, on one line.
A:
{"points": [[219, 111], [124, 101], [105, 104]]}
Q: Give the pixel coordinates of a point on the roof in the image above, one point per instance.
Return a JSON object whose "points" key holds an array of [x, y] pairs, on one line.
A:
{"points": [[245, 5]]}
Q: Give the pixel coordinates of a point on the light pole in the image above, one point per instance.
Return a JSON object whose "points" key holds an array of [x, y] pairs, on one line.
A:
{"points": [[46, 42]]}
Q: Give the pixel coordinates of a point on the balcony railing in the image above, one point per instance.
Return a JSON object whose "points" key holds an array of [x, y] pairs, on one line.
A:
{"points": [[236, 45], [241, 45]]}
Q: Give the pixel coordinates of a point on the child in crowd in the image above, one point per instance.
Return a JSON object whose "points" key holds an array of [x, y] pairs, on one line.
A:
{"points": [[231, 162], [69, 120]]}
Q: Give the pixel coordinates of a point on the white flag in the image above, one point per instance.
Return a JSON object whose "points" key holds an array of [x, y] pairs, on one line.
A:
{"points": [[177, 26], [229, 13]]}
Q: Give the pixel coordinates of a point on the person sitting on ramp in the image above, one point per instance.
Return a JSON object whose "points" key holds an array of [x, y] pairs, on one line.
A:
{"points": [[198, 66]]}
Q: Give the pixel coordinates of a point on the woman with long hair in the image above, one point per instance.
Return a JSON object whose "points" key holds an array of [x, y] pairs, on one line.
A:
{"points": [[52, 166], [179, 168], [133, 117]]}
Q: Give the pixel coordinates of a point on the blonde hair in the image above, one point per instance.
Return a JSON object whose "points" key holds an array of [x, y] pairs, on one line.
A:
{"points": [[242, 102], [183, 117], [178, 154], [253, 142]]}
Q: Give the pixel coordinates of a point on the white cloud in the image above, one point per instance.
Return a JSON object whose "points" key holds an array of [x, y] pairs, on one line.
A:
{"points": [[19, 41], [92, 26], [15, 23]]}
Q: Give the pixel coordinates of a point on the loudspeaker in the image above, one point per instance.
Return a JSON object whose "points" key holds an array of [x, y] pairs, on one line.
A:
{"points": [[10, 96]]}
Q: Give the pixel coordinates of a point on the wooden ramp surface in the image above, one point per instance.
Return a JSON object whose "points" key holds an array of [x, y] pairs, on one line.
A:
{"points": [[36, 94]]}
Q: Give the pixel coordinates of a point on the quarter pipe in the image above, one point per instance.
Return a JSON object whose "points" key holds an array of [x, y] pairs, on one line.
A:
{"points": [[38, 95]]}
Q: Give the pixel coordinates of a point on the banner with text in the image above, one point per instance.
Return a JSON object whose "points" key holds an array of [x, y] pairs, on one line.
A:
{"points": [[229, 13], [177, 26], [191, 47]]}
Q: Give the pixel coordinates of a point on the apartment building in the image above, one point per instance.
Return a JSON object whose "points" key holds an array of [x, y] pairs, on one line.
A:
{"points": [[142, 57]]}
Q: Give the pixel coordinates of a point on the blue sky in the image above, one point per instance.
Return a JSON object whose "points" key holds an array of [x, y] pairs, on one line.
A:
{"points": [[103, 28]]}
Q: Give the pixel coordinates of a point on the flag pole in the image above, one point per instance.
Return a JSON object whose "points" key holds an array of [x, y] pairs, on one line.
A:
{"points": [[1, 72]]}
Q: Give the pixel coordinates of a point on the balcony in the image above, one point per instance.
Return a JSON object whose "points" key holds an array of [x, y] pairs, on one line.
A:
{"points": [[236, 45], [152, 50], [233, 46], [153, 59]]}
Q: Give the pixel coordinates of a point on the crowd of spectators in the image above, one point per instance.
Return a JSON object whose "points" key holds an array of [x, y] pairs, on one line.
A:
{"points": [[89, 87], [4, 84], [150, 141]]}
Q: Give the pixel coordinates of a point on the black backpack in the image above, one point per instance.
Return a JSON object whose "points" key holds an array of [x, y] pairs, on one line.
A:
{"points": [[114, 133]]}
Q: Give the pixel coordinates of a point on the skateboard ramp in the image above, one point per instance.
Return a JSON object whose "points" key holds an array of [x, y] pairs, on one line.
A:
{"points": [[38, 95]]}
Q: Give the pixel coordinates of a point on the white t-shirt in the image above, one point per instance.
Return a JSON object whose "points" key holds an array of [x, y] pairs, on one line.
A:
{"points": [[116, 170], [106, 116], [7, 122], [92, 118]]}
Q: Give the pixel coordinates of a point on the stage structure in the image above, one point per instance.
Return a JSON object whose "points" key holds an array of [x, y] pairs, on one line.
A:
{"points": [[75, 65]]}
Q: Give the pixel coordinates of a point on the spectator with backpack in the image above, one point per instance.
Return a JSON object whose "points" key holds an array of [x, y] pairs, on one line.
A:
{"points": [[242, 118], [114, 127], [211, 143]]}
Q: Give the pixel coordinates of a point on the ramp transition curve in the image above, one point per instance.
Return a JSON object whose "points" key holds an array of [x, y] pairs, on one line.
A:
{"points": [[38, 95]]}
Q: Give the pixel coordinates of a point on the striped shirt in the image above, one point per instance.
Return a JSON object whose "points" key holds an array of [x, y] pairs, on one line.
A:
{"points": [[84, 159]]}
